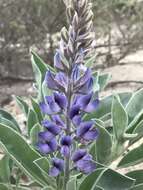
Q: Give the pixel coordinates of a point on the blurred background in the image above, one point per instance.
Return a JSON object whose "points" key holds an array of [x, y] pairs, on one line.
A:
{"points": [[26, 24]]}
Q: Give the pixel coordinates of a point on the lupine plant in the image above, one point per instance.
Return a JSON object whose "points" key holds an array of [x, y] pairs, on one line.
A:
{"points": [[74, 139]]}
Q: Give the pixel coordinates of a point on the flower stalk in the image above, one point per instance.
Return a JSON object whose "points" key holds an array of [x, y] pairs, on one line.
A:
{"points": [[72, 97]]}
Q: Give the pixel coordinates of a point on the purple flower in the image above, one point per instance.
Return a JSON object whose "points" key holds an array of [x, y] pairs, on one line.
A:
{"points": [[74, 111], [66, 142], [83, 161], [57, 167], [57, 61], [46, 147], [84, 82], [86, 103], [57, 119], [86, 132], [56, 82], [53, 104], [51, 127]]}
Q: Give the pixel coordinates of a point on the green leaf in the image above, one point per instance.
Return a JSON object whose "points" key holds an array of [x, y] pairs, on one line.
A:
{"points": [[137, 175], [48, 188], [139, 131], [103, 80], [119, 119], [72, 184], [135, 156], [19, 150], [4, 169], [34, 133], [138, 118], [137, 187], [112, 180], [4, 186], [37, 110], [105, 106], [135, 105], [6, 118], [32, 120], [97, 188], [9, 123], [23, 105], [43, 165], [40, 63], [89, 181], [40, 69], [103, 145]]}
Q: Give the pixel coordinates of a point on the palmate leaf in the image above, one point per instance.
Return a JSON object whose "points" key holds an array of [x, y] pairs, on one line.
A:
{"points": [[119, 118], [18, 149], [135, 156]]}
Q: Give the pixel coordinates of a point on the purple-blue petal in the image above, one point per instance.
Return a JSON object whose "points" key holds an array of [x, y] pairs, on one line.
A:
{"points": [[91, 135], [52, 127], [86, 166], [58, 163], [60, 99], [76, 120], [43, 148], [79, 154], [84, 100], [57, 119], [45, 108], [45, 136], [53, 144], [52, 104], [57, 61], [65, 151], [66, 140], [84, 128], [75, 110], [54, 172], [50, 82], [92, 106]]}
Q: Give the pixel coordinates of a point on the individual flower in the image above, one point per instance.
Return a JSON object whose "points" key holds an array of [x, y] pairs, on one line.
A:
{"points": [[53, 104], [46, 147], [66, 142], [83, 161], [58, 120], [86, 132], [57, 167], [57, 81], [85, 83], [51, 127], [86, 103]]}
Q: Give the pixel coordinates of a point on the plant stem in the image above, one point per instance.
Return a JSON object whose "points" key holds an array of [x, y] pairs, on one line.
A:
{"points": [[68, 130]]}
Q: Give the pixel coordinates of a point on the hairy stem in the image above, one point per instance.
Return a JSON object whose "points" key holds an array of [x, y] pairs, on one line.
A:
{"points": [[68, 130]]}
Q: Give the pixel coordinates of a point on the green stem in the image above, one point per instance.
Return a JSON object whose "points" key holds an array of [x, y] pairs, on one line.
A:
{"points": [[68, 130]]}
